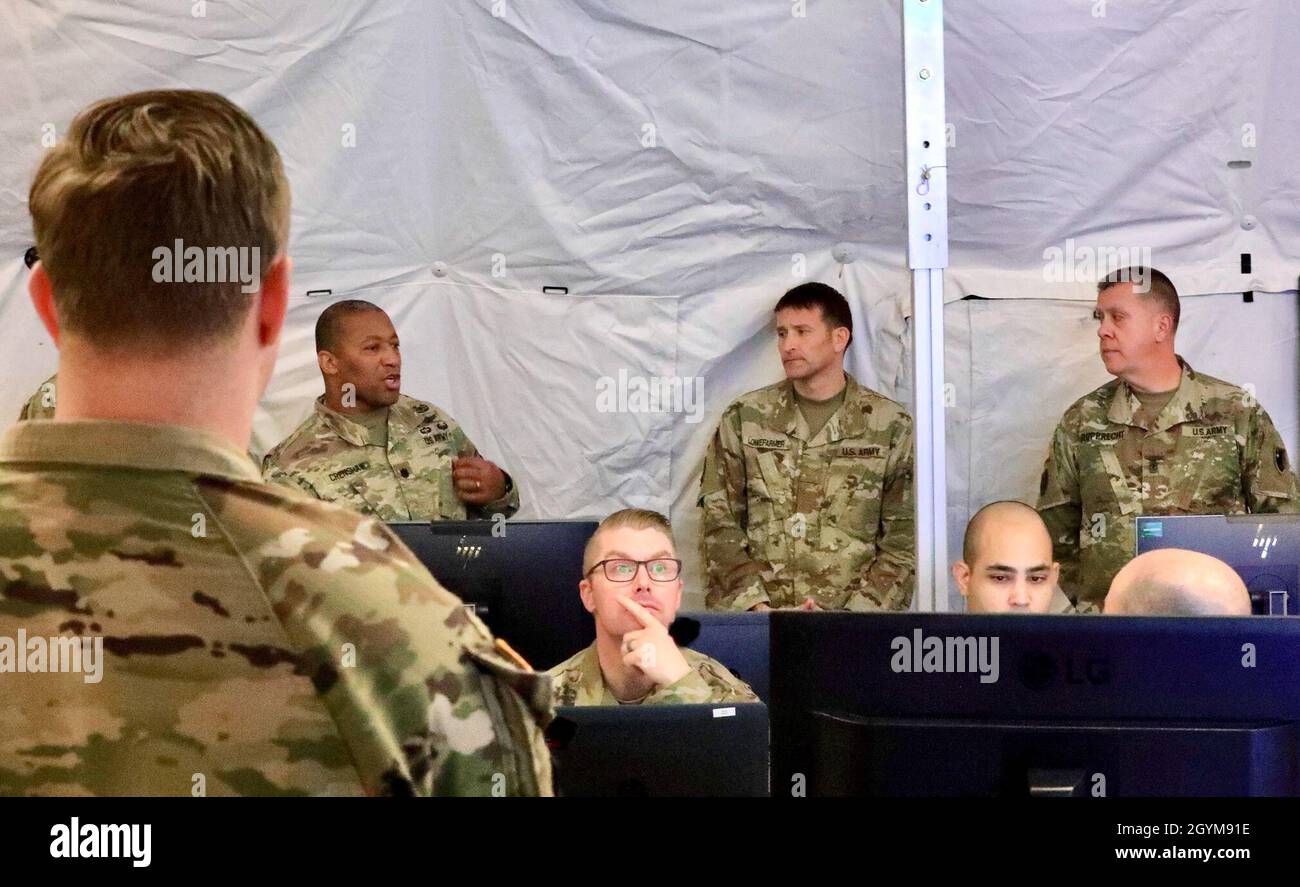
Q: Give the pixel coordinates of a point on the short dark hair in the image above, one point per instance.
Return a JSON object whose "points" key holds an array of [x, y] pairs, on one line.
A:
{"points": [[835, 308], [1158, 287], [978, 519], [331, 321]]}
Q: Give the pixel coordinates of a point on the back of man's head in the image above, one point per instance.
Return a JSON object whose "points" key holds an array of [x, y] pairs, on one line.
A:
{"points": [[1175, 582], [156, 217]]}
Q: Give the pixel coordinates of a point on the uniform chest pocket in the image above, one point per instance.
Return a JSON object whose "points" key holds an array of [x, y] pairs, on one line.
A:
{"points": [[428, 488], [854, 487], [769, 486], [356, 494], [1103, 486], [1209, 470]]}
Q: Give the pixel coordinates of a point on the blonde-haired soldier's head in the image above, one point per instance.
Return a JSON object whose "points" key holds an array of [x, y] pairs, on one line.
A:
{"points": [[161, 222], [632, 554]]}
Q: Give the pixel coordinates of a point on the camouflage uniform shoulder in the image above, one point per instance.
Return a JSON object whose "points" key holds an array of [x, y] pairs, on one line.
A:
{"points": [[340, 581], [572, 664], [762, 400], [879, 404], [36, 406], [578, 679], [1089, 409], [1224, 398], [725, 685], [417, 412], [299, 443]]}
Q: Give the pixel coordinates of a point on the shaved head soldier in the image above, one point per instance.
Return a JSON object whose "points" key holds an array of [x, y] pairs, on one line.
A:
{"points": [[1158, 439], [1174, 582], [1006, 564]]}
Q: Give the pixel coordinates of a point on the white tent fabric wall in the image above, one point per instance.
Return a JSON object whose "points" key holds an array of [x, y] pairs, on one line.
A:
{"points": [[678, 165]]}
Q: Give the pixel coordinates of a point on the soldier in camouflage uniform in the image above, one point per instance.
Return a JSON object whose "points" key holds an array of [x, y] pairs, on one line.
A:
{"points": [[807, 486], [254, 641], [1159, 439], [375, 450], [41, 404], [632, 586]]}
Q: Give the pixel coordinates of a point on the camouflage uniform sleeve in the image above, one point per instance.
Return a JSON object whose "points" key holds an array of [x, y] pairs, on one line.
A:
{"points": [[274, 473], [889, 580], [734, 576], [413, 681], [507, 505], [706, 683], [1061, 509], [1268, 480], [37, 406]]}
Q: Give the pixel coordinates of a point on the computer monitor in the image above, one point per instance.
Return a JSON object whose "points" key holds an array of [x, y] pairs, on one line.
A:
{"points": [[1264, 549], [660, 750], [943, 704], [737, 640], [521, 578]]}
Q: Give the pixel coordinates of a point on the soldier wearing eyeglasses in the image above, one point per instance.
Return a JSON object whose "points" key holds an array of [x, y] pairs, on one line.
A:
{"points": [[632, 586]]}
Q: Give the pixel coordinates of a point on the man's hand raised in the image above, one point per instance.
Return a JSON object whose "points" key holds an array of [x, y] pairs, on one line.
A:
{"points": [[478, 481], [650, 649]]}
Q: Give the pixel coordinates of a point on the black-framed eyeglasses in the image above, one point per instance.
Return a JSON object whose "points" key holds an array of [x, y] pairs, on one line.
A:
{"points": [[618, 569]]}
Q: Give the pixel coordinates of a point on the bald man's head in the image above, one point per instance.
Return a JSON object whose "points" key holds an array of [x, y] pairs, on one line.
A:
{"points": [[1006, 564], [1174, 582]]}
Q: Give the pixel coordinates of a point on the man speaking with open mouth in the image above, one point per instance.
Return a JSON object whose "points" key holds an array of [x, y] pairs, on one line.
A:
{"points": [[372, 448]]}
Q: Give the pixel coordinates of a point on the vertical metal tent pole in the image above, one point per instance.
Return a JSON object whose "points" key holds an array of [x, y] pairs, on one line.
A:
{"points": [[927, 256]]}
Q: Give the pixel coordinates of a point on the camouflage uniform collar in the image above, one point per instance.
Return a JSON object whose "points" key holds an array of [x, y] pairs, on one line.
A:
{"points": [[1187, 404], [353, 432], [111, 444], [590, 679], [848, 421]]}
